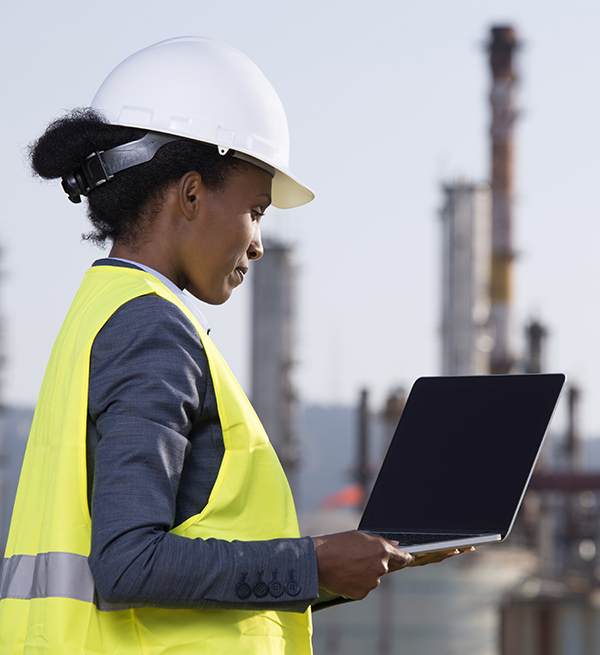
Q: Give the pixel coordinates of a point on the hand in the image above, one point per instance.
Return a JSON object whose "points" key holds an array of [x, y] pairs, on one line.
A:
{"points": [[351, 563], [421, 559]]}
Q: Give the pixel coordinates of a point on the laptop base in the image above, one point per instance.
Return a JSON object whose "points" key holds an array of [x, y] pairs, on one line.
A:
{"points": [[430, 543]]}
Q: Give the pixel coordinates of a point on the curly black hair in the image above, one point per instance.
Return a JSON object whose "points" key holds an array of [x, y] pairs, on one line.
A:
{"points": [[122, 208]]}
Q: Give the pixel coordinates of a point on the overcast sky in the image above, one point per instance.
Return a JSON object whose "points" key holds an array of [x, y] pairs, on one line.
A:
{"points": [[385, 100]]}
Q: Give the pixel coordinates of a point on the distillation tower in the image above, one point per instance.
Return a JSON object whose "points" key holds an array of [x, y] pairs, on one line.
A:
{"points": [[465, 217]]}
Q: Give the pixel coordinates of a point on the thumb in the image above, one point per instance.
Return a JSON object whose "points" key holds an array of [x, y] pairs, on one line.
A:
{"points": [[399, 559]]}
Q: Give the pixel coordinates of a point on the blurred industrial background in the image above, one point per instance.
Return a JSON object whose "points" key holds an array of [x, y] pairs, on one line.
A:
{"points": [[537, 594]]}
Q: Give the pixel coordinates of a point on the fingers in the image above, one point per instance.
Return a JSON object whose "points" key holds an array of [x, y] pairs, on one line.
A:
{"points": [[399, 559], [351, 563], [421, 559]]}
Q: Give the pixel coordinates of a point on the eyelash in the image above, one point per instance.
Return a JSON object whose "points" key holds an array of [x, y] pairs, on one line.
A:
{"points": [[256, 214]]}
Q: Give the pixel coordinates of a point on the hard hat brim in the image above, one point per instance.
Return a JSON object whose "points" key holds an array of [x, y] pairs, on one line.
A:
{"points": [[288, 192]]}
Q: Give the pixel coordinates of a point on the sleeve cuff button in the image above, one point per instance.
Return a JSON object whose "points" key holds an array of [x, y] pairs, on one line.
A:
{"points": [[243, 590]]}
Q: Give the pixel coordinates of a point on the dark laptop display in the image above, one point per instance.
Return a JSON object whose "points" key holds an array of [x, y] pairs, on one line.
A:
{"points": [[461, 459]]}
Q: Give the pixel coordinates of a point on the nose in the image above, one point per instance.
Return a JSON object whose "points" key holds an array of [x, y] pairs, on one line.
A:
{"points": [[256, 250]]}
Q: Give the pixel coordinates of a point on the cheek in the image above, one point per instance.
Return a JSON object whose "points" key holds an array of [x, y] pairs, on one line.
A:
{"points": [[244, 236]]}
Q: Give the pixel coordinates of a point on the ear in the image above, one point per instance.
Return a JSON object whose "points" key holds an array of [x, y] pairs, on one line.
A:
{"points": [[190, 191]]}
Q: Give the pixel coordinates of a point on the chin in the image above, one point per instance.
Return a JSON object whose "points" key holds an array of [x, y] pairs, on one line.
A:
{"points": [[218, 302], [210, 299]]}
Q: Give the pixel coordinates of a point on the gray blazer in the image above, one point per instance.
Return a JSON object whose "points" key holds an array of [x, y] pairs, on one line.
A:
{"points": [[154, 447]]}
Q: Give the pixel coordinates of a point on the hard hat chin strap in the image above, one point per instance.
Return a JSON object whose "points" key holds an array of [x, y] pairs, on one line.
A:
{"points": [[101, 166]]}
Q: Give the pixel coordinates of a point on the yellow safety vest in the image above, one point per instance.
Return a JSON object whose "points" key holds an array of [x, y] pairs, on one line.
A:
{"points": [[49, 604]]}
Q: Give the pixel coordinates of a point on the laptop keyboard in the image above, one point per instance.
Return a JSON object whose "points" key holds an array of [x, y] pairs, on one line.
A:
{"points": [[415, 539]]}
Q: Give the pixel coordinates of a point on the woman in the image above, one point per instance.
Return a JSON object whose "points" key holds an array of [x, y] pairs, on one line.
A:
{"points": [[152, 514]]}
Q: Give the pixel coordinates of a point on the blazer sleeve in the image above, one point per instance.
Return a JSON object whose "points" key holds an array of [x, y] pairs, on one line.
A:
{"points": [[148, 374]]}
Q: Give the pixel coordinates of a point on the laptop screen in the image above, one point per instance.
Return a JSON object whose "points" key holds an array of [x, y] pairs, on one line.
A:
{"points": [[462, 453]]}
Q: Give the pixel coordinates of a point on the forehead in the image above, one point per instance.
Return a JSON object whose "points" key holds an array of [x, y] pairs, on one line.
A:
{"points": [[250, 182]]}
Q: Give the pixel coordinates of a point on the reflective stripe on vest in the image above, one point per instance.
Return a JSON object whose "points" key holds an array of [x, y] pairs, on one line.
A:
{"points": [[51, 575]]}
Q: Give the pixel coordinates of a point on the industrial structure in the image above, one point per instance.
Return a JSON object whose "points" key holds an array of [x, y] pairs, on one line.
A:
{"points": [[535, 333], [501, 50], [15, 423], [466, 239], [273, 315], [555, 609]]}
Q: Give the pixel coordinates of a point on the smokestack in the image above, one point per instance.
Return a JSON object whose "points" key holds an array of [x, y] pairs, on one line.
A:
{"points": [[501, 48], [273, 318], [536, 338], [392, 411], [362, 460], [572, 444]]}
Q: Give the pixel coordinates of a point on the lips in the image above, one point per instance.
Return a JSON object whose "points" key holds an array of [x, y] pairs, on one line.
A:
{"points": [[241, 271]]}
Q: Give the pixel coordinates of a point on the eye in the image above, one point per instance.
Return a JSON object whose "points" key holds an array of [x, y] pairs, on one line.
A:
{"points": [[257, 213]]}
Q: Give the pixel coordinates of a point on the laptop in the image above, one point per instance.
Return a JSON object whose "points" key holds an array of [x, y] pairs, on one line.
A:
{"points": [[460, 460]]}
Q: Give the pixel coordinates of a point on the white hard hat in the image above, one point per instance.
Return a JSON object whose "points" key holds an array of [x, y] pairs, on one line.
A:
{"points": [[207, 91]]}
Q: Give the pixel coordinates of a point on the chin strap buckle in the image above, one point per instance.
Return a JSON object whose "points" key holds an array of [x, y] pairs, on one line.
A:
{"points": [[91, 174], [101, 166]]}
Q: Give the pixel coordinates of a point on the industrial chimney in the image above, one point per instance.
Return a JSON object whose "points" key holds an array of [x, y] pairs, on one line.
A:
{"points": [[501, 48], [273, 394]]}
